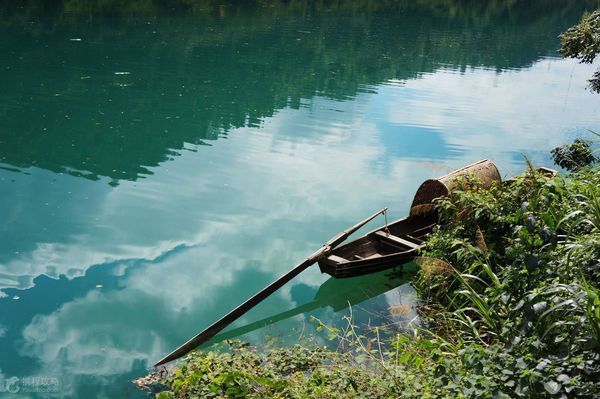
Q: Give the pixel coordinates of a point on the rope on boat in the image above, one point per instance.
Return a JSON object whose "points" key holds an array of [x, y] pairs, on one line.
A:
{"points": [[387, 231]]}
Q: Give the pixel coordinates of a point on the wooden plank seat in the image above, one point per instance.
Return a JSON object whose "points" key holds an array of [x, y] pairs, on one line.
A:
{"points": [[397, 240], [337, 259], [414, 239]]}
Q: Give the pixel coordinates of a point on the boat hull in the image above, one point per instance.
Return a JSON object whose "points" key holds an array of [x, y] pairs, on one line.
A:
{"points": [[388, 246]]}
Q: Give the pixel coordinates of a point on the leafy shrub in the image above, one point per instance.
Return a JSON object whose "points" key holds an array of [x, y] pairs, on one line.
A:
{"points": [[582, 42], [574, 156], [523, 277], [240, 371]]}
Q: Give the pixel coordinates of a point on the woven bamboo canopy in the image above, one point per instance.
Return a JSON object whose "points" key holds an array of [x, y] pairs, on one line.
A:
{"points": [[485, 172]]}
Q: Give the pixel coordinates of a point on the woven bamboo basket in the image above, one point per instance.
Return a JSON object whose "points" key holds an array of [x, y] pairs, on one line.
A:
{"points": [[485, 171]]}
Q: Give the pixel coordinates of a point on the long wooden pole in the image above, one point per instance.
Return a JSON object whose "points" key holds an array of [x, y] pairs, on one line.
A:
{"points": [[251, 302]]}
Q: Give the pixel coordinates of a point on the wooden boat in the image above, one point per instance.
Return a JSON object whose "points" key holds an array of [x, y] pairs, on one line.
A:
{"points": [[386, 247], [401, 241]]}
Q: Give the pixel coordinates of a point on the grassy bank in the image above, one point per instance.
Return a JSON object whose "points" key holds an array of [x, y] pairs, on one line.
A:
{"points": [[510, 283]]}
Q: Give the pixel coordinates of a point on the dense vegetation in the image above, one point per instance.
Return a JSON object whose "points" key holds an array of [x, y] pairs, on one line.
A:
{"points": [[474, 9], [510, 282], [516, 275]]}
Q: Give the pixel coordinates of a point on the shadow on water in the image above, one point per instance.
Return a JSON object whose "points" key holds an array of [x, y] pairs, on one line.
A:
{"points": [[109, 89], [337, 294]]}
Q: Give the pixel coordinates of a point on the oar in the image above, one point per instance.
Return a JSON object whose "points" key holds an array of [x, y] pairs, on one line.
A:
{"points": [[236, 313]]}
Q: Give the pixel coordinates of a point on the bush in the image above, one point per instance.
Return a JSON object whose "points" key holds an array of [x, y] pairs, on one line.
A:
{"points": [[574, 156], [522, 275], [582, 42]]}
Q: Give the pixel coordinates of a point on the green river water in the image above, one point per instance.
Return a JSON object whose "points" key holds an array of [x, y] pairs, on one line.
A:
{"points": [[162, 161]]}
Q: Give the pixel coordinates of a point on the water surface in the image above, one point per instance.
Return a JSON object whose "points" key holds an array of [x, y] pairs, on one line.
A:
{"points": [[158, 165]]}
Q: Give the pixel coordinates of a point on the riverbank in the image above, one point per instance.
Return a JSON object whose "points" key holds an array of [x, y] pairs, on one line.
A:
{"points": [[510, 284]]}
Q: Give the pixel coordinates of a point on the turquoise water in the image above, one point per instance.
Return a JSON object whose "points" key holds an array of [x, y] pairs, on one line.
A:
{"points": [[158, 165]]}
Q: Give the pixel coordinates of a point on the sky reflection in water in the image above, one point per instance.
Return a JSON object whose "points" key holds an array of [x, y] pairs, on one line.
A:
{"points": [[114, 267]]}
